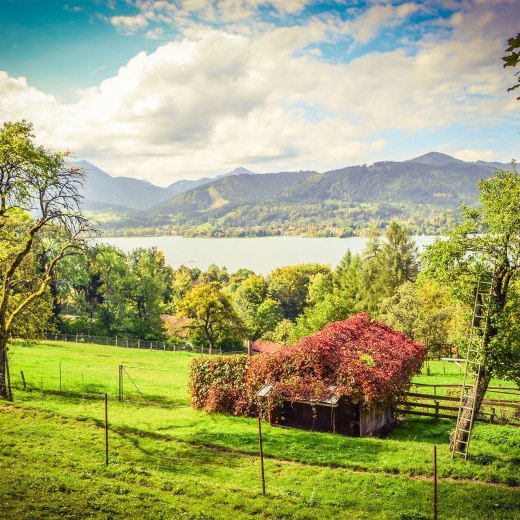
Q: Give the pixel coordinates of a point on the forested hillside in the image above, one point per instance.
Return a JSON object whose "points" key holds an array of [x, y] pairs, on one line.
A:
{"points": [[425, 192]]}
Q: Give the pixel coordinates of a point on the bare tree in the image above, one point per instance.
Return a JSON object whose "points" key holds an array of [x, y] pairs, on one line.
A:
{"points": [[40, 224]]}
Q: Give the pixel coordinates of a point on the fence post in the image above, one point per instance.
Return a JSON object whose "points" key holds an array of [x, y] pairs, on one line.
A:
{"points": [[434, 482], [120, 394], [116, 341], [106, 429], [261, 449], [437, 409], [23, 380]]}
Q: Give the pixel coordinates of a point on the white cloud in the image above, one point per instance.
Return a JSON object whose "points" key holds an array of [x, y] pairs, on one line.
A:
{"points": [[215, 100], [129, 24], [367, 25], [474, 155]]}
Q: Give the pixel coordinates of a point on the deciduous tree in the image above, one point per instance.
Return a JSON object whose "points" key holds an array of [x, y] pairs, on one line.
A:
{"points": [[39, 217], [487, 240]]}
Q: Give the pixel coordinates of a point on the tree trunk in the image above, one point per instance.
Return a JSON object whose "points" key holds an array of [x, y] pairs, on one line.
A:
{"points": [[459, 443], [5, 380]]}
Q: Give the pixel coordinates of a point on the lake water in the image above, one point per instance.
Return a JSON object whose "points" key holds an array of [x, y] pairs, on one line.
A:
{"points": [[261, 255]]}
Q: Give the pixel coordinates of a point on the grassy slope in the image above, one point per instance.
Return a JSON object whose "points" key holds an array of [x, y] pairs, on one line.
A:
{"points": [[185, 464]]}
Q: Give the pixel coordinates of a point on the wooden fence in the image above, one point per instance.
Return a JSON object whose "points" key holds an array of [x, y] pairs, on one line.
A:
{"points": [[498, 411]]}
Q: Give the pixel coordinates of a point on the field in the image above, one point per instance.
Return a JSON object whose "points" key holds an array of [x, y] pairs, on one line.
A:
{"points": [[169, 461]]}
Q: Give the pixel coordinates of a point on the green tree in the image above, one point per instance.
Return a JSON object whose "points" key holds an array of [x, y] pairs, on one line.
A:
{"points": [[211, 312], [513, 58], [290, 286], [487, 239], [39, 217], [148, 291], [386, 264], [399, 259], [247, 299]]}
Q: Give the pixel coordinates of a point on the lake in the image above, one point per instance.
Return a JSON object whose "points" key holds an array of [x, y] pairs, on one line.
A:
{"points": [[261, 255]]}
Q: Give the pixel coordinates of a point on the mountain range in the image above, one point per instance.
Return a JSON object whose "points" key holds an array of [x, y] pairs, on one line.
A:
{"points": [[425, 191]]}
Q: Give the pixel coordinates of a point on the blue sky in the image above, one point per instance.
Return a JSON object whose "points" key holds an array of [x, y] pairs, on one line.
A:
{"points": [[165, 90]]}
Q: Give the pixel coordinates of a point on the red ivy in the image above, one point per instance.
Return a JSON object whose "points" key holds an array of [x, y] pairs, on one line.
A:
{"points": [[363, 360]]}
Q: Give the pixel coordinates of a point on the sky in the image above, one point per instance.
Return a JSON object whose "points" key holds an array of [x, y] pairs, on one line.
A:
{"points": [[181, 89]]}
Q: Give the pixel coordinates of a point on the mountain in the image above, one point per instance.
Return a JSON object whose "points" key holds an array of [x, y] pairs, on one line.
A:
{"points": [[183, 186], [102, 192], [436, 159], [231, 189], [426, 192]]}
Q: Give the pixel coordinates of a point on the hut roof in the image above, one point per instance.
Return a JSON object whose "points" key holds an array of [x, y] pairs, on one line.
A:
{"points": [[263, 346], [358, 358]]}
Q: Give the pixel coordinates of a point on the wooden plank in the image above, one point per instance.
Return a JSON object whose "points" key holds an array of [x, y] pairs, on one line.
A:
{"points": [[427, 414], [433, 397], [502, 404], [451, 385], [430, 406]]}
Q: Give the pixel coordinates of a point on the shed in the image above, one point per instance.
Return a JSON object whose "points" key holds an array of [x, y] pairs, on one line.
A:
{"points": [[333, 415], [344, 379]]}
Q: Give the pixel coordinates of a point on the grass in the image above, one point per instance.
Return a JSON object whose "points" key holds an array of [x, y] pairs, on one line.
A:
{"points": [[180, 463]]}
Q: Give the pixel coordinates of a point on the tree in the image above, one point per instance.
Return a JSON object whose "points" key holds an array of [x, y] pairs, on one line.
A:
{"points": [[398, 257], [148, 291], [487, 239], [290, 286], [387, 264], [211, 313], [425, 313], [513, 58], [95, 285], [40, 224]]}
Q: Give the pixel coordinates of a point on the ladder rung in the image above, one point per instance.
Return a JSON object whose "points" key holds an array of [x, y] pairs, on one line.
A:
{"points": [[462, 430]]}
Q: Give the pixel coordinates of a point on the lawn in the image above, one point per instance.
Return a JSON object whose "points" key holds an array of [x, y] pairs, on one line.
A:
{"points": [[175, 462]]}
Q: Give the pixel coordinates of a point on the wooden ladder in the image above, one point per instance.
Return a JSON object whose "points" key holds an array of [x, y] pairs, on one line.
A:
{"points": [[477, 333]]}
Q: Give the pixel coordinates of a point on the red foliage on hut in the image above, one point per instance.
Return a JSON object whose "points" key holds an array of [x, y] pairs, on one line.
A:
{"points": [[345, 379]]}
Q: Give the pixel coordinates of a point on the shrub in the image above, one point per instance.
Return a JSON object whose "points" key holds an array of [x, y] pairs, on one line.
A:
{"points": [[217, 384]]}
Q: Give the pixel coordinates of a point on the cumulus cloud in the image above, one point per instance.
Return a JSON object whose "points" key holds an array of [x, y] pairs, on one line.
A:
{"points": [[214, 99], [129, 24], [474, 155]]}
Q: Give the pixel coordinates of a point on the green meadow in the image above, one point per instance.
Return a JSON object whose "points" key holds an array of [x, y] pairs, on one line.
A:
{"points": [[169, 461]]}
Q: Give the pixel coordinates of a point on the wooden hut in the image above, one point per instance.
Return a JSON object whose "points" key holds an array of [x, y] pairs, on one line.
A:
{"points": [[333, 415], [344, 379]]}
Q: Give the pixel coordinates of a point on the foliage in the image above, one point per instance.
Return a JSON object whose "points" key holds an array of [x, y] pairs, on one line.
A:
{"points": [[40, 224], [290, 286], [333, 362], [113, 293], [513, 58], [487, 239], [211, 312], [363, 360], [217, 384], [425, 313]]}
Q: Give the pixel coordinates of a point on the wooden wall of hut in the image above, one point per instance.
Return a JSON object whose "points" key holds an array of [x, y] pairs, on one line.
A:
{"points": [[345, 418]]}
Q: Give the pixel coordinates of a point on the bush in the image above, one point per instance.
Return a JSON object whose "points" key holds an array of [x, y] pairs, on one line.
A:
{"points": [[217, 384]]}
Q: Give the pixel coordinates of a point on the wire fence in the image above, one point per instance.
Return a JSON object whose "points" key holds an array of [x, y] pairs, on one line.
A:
{"points": [[138, 384], [128, 342]]}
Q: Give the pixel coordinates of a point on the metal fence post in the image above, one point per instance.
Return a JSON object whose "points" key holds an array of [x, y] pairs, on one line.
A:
{"points": [[106, 429], [434, 482], [120, 392]]}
